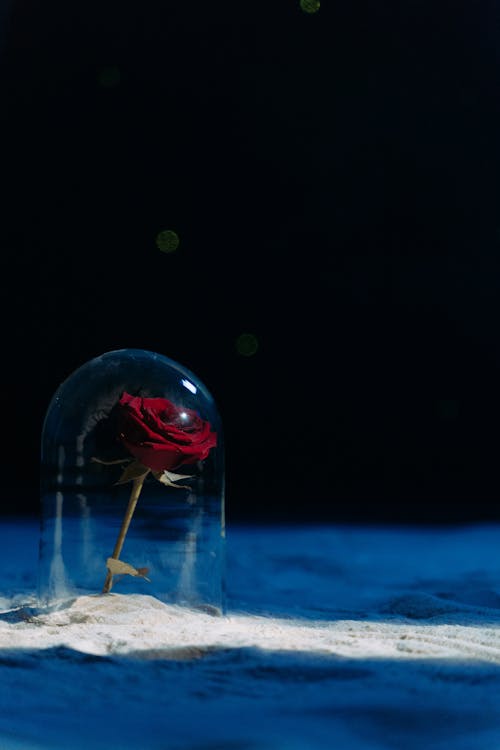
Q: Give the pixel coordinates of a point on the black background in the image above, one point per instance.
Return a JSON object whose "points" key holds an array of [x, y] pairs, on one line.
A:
{"points": [[334, 181]]}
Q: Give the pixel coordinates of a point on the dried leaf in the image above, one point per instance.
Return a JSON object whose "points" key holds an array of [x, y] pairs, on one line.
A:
{"points": [[118, 567], [135, 470], [170, 479], [110, 463]]}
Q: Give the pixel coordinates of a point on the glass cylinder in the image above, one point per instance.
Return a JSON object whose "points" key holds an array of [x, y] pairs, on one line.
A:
{"points": [[132, 484]]}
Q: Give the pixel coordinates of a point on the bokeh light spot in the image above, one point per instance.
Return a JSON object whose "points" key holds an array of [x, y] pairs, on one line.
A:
{"points": [[247, 344], [167, 241], [448, 409], [310, 6], [109, 76]]}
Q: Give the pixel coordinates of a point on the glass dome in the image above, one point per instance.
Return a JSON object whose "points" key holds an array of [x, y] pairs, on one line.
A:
{"points": [[132, 484]]}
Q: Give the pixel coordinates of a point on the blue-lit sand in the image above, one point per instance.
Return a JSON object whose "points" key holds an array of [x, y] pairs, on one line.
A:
{"points": [[334, 637]]}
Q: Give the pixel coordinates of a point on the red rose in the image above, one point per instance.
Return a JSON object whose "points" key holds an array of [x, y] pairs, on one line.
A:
{"points": [[160, 435]]}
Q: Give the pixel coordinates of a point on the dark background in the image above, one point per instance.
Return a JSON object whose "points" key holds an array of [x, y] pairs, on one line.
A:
{"points": [[334, 179]]}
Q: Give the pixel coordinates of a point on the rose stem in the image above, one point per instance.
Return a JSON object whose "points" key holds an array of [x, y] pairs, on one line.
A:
{"points": [[134, 496]]}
